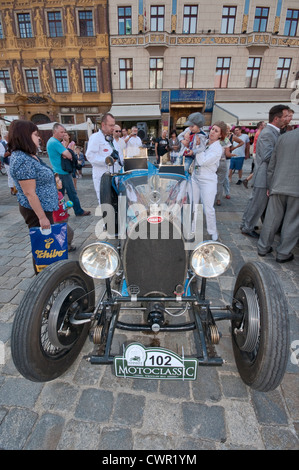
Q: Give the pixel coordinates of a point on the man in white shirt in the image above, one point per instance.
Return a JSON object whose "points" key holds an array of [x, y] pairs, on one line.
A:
{"points": [[4, 154], [133, 143], [119, 142], [240, 153], [100, 146]]}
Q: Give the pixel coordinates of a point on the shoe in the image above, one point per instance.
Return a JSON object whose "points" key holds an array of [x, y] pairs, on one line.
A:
{"points": [[218, 202], [252, 234], [71, 248], [245, 182], [264, 254], [290, 258], [227, 196], [239, 182], [83, 214]]}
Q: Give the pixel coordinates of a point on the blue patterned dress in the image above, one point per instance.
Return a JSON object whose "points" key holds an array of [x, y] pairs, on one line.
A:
{"points": [[24, 167]]}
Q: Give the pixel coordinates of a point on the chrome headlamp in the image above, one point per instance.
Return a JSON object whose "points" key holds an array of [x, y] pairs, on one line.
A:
{"points": [[210, 259], [99, 260]]}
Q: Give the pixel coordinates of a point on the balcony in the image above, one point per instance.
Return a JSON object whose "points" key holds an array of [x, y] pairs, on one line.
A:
{"points": [[258, 42], [164, 39]]}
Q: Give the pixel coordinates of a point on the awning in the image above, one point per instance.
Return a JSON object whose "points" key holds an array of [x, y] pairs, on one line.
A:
{"points": [[143, 112], [83, 126], [248, 114]]}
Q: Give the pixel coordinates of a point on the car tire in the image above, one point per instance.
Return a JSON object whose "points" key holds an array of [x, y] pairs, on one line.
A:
{"points": [[33, 354], [262, 365]]}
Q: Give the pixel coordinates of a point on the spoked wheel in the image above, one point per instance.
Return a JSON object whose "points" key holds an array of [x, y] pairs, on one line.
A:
{"points": [[260, 340], [47, 333]]}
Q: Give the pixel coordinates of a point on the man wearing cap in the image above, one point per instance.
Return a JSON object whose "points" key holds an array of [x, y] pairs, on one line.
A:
{"points": [[197, 140]]}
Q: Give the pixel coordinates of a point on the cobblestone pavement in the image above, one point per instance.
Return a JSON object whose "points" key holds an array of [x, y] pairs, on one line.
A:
{"points": [[89, 408]]}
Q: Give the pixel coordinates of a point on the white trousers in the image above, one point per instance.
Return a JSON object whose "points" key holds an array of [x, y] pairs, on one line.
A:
{"points": [[96, 177], [97, 173], [204, 192]]}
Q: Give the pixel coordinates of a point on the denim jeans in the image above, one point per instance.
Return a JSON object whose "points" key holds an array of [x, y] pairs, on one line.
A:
{"points": [[68, 186], [188, 161]]}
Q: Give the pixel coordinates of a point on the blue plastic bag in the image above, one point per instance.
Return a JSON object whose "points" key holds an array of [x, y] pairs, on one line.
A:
{"points": [[48, 246]]}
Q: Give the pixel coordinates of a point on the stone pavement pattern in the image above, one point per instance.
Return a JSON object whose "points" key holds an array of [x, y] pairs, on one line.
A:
{"points": [[89, 408]]}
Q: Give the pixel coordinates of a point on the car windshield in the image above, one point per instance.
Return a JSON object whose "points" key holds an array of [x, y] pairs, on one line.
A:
{"points": [[144, 188], [147, 192]]}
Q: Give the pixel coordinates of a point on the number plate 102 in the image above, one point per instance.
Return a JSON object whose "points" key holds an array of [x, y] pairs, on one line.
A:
{"points": [[154, 363]]}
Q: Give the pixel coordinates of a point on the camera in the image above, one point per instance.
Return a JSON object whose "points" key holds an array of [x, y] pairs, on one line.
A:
{"points": [[115, 156]]}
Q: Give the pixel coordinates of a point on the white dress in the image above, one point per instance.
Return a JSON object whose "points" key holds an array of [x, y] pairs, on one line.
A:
{"points": [[204, 184]]}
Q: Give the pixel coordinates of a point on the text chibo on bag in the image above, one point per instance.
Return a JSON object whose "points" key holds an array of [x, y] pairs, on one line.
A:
{"points": [[48, 246]]}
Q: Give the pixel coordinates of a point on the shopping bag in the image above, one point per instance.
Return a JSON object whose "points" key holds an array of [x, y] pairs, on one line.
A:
{"points": [[49, 245]]}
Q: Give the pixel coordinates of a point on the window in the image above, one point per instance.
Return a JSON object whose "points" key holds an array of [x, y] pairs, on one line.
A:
{"points": [[282, 72], [1, 29], [61, 81], [90, 80], [187, 72], [222, 72], [32, 81], [157, 18], [67, 119], [85, 23], [5, 79], [291, 23], [228, 20], [55, 24], [190, 19], [126, 74], [253, 70], [261, 19], [124, 20], [24, 23], [156, 73]]}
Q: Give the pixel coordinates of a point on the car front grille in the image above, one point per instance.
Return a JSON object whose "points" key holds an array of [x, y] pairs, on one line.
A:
{"points": [[155, 259]]}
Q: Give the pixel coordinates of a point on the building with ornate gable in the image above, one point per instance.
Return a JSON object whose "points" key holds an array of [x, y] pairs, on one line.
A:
{"points": [[54, 60], [150, 62]]}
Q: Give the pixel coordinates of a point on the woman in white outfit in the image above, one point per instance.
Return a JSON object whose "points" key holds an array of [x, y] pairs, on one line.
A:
{"points": [[204, 177]]}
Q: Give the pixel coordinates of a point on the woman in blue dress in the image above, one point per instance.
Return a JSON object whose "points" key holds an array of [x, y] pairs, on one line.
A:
{"points": [[35, 182]]}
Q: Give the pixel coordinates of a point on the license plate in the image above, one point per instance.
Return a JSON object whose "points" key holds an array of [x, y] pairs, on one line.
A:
{"points": [[139, 362]]}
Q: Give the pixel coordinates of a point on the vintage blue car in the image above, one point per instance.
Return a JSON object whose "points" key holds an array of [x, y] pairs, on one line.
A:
{"points": [[154, 266]]}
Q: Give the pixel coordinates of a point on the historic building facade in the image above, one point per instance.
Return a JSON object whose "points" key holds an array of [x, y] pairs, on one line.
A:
{"points": [[54, 60], [151, 62], [170, 57]]}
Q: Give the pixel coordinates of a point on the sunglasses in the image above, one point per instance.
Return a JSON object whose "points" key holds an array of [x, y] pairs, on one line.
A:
{"points": [[117, 131]]}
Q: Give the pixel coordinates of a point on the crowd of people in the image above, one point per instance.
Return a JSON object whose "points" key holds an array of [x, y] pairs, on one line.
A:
{"points": [[211, 159]]}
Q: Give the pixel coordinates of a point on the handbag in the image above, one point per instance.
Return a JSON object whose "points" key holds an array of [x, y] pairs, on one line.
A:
{"points": [[67, 165], [48, 246]]}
